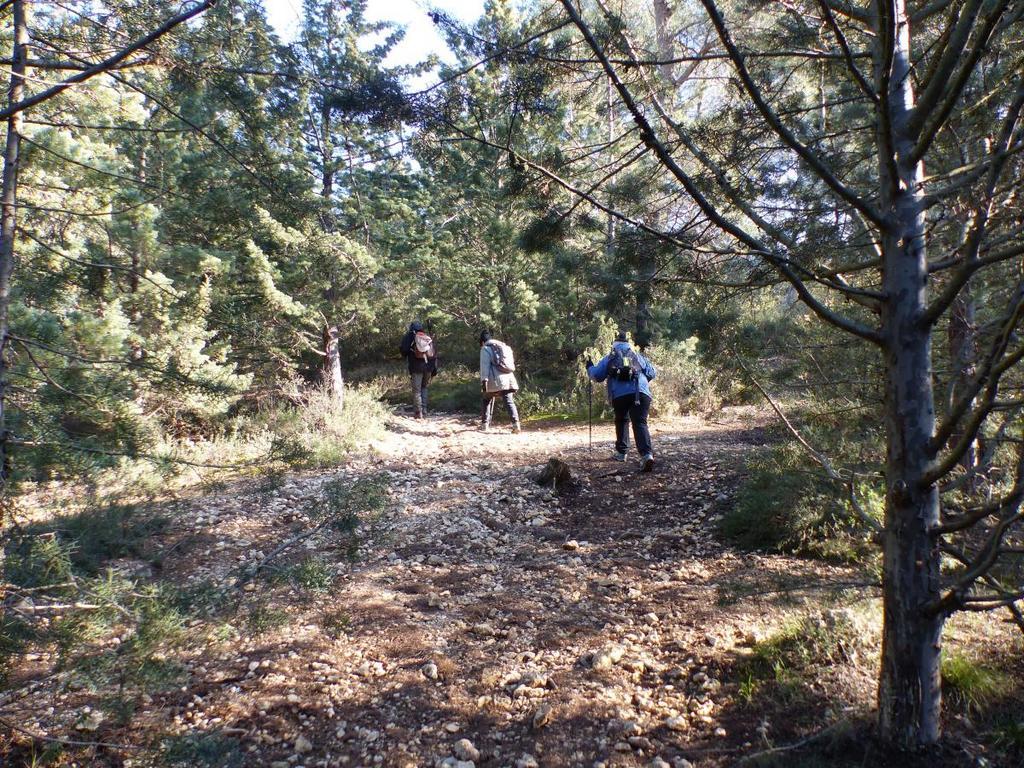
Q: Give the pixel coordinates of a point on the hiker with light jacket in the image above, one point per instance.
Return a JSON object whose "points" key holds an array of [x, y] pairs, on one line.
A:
{"points": [[419, 349], [628, 374], [497, 379]]}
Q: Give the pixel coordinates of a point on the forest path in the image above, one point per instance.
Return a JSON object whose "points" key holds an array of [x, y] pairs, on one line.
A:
{"points": [[485, 619], [475, 618]]}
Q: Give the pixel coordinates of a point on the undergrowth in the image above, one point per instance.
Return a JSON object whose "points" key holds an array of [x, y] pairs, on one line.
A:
{"points": [[308, 429], [321, 432], [783, 664], [971, 686], [787, 504], [683, 383], [209, 750], [85, 590]]}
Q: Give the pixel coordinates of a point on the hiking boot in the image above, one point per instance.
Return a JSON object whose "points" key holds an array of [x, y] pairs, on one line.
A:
{"points": [[485, 427], [647, 463], [516, 428], [618, 456], [418, 415]]}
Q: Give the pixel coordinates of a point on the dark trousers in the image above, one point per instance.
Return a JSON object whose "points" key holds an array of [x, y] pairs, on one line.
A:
{"points": [[419, 381], [630, 408], [487, 407]]}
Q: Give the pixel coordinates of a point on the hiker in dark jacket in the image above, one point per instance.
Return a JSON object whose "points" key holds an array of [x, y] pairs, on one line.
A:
{"points": [[628, 373], [495, 383], [418, 348]]}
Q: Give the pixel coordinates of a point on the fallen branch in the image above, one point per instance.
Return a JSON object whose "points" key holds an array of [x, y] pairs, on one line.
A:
{"points": [[58, 607], [814, 737], [69, 742], [11, 589], [253, 571]]}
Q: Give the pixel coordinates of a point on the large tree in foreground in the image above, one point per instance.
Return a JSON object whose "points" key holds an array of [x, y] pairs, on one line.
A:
{"points": [[118, 49], [867, 153]]}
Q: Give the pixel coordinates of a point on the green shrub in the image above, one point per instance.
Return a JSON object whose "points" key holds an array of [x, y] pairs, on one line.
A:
{"points": [[317, 432], [349, 504], [787, 504], [304, 427], [35, 561], [71, 559], [150, 631], [117, 530], [312, 574], [683, 384], [330, 432], [209, 750], [1009, 734], [828, 637], [48, 553], [262, 618]]}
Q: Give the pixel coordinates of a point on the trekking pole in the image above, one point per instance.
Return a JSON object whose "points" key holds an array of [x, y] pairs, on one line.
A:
{"points": [[590, 415]]}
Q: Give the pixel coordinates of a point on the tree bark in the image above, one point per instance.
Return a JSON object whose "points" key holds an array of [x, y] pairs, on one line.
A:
{"points": [[8, 214], [136, 254], [332, 364], [326, 154], [666, 46], [963, 356], [609, 231], [909, 694]]}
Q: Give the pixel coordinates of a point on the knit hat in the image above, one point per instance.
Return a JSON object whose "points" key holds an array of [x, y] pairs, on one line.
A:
{"points": [[621, 336], [485, 336]]}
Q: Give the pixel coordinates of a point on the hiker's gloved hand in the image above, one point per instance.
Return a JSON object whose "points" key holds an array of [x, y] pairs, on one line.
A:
{"points": [[590, 363]]}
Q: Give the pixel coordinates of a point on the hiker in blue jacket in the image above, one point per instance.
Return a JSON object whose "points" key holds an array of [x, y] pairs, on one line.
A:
{"points": [[628, 373]]}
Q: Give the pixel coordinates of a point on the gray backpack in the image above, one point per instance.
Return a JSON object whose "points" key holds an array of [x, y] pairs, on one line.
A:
{"points": [[501, 356]]}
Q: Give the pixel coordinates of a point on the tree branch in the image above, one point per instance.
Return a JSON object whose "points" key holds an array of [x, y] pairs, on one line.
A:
{"points": [[816, 163], [727, 226], [844, 46], [107, 64], [943, 91], [981, 213], [821, 459]]}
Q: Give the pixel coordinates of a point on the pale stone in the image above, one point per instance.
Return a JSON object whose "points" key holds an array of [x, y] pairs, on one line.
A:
{"points": [[464, 749]]}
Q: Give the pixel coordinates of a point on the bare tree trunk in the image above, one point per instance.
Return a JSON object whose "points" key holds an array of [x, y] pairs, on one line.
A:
{"points": [[909, 685], [8, 220], [332, 364], [136, 254], [662, 15], [327, 155], [963, 357], [609, 233]]}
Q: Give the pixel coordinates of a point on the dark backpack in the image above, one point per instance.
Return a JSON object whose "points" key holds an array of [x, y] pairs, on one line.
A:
{"points": [[621, 368]]}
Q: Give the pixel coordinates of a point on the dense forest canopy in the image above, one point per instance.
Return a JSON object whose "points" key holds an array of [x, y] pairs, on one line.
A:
{"points": [[206, 229]]}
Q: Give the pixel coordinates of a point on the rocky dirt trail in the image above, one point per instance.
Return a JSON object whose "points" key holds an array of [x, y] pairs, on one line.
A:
{"points": [[479, 619]]}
